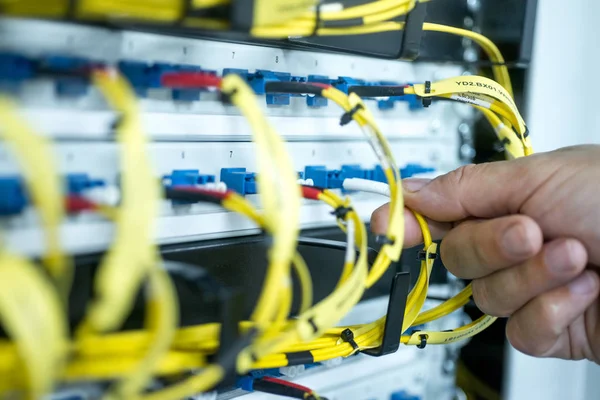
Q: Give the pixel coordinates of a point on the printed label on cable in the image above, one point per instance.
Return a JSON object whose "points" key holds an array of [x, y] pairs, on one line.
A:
{"points": [[471, 99]]}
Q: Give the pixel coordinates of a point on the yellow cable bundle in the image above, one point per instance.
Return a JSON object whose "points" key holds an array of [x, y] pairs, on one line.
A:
{"points": [[133, 257], [44, 185], [279, 195], [153, 10], [44, 9], [31, 313]]}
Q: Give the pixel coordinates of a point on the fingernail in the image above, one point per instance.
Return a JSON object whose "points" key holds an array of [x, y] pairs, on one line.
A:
{"points": [[413, 185], [556, 258], [585, 284], [516, 241]]}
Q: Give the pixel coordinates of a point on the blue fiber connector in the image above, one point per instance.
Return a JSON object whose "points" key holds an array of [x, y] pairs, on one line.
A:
{"points": [[317, 101], [14, 70], [298, 79], [69, 86], [343, 83], [13, 198], [403, 395], [329, 179], [80, 182], [414, 169], [238, 180], [187, 177], [136, 73], [376, 174], [318, 174], [245, 383]]}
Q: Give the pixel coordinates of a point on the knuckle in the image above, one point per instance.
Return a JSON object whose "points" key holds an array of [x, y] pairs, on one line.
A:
{"points": [[486, 299], [521, 339], [462, 175]]}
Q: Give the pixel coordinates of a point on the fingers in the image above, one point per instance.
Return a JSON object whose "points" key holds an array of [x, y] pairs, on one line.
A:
{"points": [[542, 327], [412, 236], [478, 248], [504, 292], [482, 191]]}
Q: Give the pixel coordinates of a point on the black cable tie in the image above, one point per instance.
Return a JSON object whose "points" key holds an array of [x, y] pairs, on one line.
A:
{"points": [[225, 97], [422, 256], [423, 343], [317, 19], [526, 134], [427, 100], [314, 326], [505, 141], [117, 123], [341, 212], [347, 116], [348, 337], [383, 240]]}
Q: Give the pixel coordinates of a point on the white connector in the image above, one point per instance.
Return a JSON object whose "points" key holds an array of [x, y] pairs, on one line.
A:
{"points": [[216, 186], [292, 371], [306, 182], [107, 195]]}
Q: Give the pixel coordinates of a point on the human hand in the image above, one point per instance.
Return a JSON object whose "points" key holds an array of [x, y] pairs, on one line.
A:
{"points": [[527, 232]]}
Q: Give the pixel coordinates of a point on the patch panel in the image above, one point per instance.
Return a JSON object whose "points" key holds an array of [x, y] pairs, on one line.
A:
{"points": [[100, 161]]}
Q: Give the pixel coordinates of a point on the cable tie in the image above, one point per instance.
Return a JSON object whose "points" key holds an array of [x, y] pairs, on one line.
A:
{"points": [[427, 100], [226, 97], [423, 343], [341, 212], [117, 123], [422, 256], [347, 116], [317, 19], [348, 336], [526, 134], [384, 240]]}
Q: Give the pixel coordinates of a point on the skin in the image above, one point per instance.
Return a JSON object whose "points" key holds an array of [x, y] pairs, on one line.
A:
{"points": [[527, 232]]}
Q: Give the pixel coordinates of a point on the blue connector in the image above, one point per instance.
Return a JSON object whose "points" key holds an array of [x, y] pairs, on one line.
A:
{"points": [[403, 395], [68, 86], [324, 178], [245, 383], [318, 174], [14, 70], [187, 177], [354, 171], [343, 83], [13, 198], [259, 79], [238, 180], [137, 73], [189, 95], [298, 79], [79, 183], [317, 101], [376, 174], [15, 67], [414, 169]]}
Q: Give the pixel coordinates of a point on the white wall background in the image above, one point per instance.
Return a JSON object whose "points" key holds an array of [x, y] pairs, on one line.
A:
{"points": [[562, 111]]}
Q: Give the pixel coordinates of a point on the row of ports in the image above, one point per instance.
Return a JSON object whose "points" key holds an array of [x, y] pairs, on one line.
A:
{"points": [[14, 198], [70, 80]]}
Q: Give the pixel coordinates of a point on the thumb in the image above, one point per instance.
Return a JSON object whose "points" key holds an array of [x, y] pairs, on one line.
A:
{"points": [[481, 191]]}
